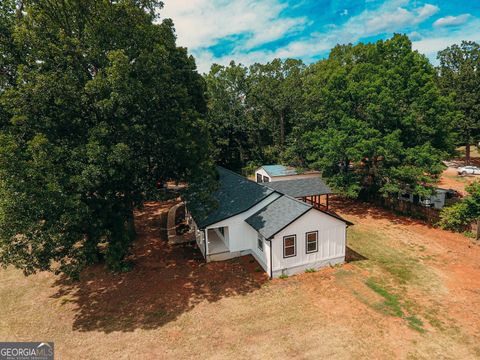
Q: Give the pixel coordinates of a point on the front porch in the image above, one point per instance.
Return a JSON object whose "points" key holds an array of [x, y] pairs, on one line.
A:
{"points": [[216, 241], [216, 245]]}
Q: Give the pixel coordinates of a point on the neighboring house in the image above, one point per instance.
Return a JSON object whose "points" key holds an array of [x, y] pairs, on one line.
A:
{"points": [[269, 173], [436, 201], [283, 234]]}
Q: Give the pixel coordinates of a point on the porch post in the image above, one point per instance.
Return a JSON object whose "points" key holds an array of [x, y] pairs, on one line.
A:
{"points": [[206, 243]]}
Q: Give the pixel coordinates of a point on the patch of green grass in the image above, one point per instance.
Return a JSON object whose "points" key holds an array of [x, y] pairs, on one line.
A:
{"points": [[415, 323], [310, 270], [283, 276], [257, 269], [393, 307], [378, 249]]}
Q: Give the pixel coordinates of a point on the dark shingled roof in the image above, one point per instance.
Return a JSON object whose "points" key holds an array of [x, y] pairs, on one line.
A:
{"points": [[234, 195], [277, 215], [300, 187]]}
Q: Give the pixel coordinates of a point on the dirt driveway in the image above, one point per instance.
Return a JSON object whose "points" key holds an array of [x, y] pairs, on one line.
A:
{"points": [[409, 292], [451, 180]]}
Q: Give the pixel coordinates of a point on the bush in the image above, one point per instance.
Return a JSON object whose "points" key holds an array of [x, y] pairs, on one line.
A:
{"points": [[459, 216], [455, 217]]}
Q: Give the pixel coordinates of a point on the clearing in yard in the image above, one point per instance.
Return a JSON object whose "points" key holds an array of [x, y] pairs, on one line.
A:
{"points": [[409, 291]]}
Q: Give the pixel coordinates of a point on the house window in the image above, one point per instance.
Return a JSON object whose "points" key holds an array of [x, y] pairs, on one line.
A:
{"points": [[260, 243], [289, 246], [266, 179], [259, 178], [222, 231], [311, 242]]}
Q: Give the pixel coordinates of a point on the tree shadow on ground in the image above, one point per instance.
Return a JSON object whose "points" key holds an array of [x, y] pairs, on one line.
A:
{"points": [[167, 281], [365, 210]]}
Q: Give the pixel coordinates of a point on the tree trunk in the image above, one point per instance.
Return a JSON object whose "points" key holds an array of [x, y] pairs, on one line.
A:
{"points": [[467, 153], [478, 229]]}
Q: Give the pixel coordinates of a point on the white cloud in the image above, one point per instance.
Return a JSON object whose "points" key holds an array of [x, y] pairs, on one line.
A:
{"points": [[433, 42], [388, 18], [452, 20], [203, 23]]}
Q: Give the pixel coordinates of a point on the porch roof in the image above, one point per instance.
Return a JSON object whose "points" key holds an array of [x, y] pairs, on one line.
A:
{"points": [[298, 188]]}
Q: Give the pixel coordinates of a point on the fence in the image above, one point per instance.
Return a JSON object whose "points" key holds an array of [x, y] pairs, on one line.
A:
{"points": [[428, 214]]}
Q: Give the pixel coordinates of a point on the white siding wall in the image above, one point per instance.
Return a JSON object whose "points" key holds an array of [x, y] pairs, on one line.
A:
{"points": [[261, 172], [331, 244]]}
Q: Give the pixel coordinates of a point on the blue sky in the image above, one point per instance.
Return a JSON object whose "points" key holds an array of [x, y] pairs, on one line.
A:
{"points": [[248, 31]]}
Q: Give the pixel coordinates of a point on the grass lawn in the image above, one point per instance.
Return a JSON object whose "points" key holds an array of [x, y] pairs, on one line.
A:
{"points": [[409, 292]]}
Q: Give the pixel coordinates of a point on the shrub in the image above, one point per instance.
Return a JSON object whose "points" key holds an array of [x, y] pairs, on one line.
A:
{"points": [[460, 215], [454, 217]]}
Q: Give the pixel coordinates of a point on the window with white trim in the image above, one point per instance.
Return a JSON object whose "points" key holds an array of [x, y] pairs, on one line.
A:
{"points": [[311, 239], [260, 243], [289, 246]]}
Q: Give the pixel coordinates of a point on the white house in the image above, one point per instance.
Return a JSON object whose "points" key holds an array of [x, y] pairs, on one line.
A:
{"points": [[269, 173], [284, 234]]}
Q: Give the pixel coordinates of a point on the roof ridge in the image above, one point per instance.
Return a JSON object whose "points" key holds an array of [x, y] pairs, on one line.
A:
{"points": [[271, 202], [241, 176]]}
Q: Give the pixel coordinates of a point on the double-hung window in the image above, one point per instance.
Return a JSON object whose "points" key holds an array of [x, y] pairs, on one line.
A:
{"points": [[289, 246], [311, 244]]}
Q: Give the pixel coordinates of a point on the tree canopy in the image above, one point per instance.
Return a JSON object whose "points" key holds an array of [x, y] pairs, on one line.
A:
{"points": [[370, 117], [98, 104], [459, 77]]}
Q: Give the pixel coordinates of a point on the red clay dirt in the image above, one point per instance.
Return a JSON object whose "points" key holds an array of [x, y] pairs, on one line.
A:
{"points": [[455, 257], [174, 306], [167, 280], [451, 180]]}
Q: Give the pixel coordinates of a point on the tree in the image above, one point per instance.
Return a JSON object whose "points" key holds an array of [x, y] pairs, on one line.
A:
{"points": [[253, 110], [276, 90], [377, 122], [459, 77], [103, 105], [231, 129], [460, 215]]}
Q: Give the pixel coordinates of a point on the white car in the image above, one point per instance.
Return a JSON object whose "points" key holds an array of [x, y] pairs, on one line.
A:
{"points": [[469, 170]]}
